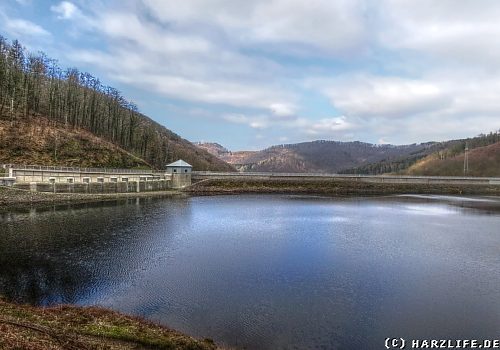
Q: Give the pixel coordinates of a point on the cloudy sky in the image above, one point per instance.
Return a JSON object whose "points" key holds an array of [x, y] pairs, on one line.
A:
{"points": [[249, 74]]}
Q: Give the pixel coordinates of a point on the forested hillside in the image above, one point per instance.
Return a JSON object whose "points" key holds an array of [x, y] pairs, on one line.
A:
{"points": [[443, 158], [431, 158], [317, 156], [41, 141], [396, 164], [33, 86], [483, 161]]}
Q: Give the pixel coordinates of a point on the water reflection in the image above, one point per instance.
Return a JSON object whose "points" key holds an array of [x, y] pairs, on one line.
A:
{"points": [[67, 253], [267, 272]]}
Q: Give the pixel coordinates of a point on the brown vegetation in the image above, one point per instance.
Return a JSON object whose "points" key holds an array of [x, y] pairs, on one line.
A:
{"points": [[440, 159], [41, 141], [483, 161], [91, 328], [331, 187]]}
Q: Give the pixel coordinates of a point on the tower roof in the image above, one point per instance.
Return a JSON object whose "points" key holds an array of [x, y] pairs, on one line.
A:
{"points": [[179, 163]]}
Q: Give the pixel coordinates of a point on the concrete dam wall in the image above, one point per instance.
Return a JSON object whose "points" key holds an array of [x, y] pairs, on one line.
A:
{"points": [[56, 179], [95, 187], [389, 179], [340, 185]]}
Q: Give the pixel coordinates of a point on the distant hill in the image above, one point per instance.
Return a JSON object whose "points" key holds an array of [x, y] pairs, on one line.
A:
{"points": [[443, 159], [316, 156], [213, 148], [431, 158], [91, 124], [483, 161]]}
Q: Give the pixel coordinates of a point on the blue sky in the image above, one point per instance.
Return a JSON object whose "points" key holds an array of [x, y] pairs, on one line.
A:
{"points": [[250, 74]]}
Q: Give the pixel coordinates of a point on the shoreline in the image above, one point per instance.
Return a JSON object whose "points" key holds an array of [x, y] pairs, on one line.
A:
{"points": [[332, 188], [15, 199], [12, 198], [77, 327]]}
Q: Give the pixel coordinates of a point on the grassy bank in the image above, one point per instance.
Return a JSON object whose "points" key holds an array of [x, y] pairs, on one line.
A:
{"points": [[14, 198], [332, 187], [70, 327]]}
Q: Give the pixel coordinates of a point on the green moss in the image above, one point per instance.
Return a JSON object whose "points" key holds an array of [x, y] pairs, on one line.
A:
{"points": [[130, 334]]}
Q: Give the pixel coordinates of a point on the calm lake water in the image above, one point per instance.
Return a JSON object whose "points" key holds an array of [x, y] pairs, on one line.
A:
{"points": [[269, 272]]}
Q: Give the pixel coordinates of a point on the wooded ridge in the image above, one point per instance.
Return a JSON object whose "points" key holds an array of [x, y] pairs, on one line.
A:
{"points": [[364, 158], [33, 85]]}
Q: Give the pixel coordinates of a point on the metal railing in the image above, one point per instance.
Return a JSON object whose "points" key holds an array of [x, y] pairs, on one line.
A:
{"points": [[344, 176], [78, 170], [277, 174]]}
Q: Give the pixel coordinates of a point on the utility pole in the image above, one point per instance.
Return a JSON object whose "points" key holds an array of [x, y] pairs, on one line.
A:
{"points": [[55, 148], [466, 159], [12, 106]]}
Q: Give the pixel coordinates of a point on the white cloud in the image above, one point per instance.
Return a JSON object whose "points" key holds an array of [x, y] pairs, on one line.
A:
{"points": [[255, 122], [127, 26], [333, 27], [213, 92], [236, 118], [381, 96], [323, 128], [20, 27], [66, 10], [327, 126], [440, 104], [283, 109], [457, 31], [399, 70], [185, 66]]}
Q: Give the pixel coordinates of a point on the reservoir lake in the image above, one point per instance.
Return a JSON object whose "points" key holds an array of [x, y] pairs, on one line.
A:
{"points": [[268, 271]]}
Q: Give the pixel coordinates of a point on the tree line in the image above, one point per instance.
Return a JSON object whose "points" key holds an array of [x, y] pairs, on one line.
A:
{"points": [[32, 84], [442, 150]]}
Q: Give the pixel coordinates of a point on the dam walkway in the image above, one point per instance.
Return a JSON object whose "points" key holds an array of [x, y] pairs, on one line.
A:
{"points": [[389, 179]]}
